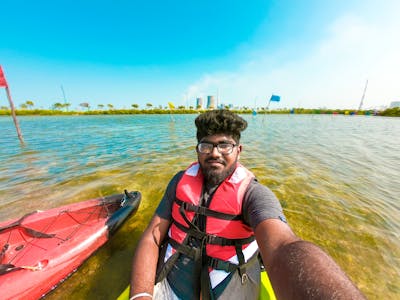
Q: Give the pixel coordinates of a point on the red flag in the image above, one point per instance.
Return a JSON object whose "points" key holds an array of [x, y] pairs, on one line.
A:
{"points": [[3, 82]]}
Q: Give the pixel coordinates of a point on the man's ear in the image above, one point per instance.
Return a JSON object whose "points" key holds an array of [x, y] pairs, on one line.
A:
{"points": [[240, 148]]}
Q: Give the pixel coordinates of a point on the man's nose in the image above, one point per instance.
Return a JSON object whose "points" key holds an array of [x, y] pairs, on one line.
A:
{"points": [[215, 151]]}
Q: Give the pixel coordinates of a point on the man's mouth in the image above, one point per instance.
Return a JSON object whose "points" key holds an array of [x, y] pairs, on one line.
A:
{"points": [[215, 162]]}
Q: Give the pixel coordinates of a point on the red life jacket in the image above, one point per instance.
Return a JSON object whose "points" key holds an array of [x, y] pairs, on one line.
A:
{"points": [[229, 243]]}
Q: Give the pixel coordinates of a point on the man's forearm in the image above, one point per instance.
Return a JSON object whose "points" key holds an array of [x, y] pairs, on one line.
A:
{"points": [[144, 267], [301, 270], [146, 257]]}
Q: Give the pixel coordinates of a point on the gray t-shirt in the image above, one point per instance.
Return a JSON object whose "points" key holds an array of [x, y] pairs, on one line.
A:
{"points": [[259, 203]]}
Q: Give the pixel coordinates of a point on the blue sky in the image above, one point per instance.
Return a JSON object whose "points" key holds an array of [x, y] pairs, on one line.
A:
{"points": [[311, 53]]}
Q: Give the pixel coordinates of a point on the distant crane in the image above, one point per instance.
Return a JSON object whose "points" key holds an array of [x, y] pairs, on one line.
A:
{"points": [[363, 96]]}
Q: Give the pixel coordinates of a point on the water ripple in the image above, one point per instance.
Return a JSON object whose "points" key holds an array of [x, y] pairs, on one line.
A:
{"points": [[337, 178]]}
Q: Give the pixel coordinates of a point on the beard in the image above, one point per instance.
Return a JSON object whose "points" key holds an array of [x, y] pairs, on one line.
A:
{"points": [[214, 176]]}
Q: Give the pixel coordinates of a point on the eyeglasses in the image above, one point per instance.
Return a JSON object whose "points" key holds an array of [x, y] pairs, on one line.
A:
{"points": [[223, 148]]}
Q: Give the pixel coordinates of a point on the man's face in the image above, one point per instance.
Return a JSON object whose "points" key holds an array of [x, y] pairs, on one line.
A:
{"points": [[214, 165]]}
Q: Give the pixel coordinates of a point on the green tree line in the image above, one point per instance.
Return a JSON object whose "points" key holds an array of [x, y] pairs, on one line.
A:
{"points": [[58, 108]]}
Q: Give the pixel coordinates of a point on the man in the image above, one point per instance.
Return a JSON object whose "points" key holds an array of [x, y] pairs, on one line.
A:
{"points": [[214, 219]]}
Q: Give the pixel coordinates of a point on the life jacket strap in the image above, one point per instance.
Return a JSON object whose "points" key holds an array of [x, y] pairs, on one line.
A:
{"points": [[242, 264], [164, 268], [193, 253], [227, 266], [218, 264], [202, 210], [213, 239]]}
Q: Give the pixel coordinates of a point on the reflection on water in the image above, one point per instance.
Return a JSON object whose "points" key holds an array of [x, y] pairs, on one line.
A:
{"points": [[337, 178]]}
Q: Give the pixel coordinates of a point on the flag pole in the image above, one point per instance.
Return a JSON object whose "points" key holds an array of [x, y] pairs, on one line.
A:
{"points": [[14, 115], [268, 104], [363, 96]]}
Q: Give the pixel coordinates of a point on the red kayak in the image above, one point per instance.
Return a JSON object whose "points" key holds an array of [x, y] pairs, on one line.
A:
{"points": [[42, 248]]}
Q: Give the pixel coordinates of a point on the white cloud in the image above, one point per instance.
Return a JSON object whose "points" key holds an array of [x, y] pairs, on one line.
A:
{"points": [[331, 74]]}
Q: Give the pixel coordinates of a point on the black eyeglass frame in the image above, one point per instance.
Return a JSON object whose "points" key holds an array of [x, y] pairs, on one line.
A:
{"points": [[216, 146]]}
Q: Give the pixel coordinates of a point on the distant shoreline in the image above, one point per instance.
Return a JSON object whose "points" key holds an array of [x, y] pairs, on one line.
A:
{"points": [[390, 112]]}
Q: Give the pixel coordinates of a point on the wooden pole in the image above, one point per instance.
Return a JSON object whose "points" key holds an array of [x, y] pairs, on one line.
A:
{"points": [[14, 115]]}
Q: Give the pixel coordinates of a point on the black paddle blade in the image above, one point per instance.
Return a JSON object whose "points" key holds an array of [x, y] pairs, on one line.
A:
{"points": [[16, 223], [3, 251], [7, 268], [28, 231], [37, 234]]}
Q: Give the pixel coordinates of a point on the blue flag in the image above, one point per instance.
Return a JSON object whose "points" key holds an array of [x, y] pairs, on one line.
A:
{"points": [[275, 98]]}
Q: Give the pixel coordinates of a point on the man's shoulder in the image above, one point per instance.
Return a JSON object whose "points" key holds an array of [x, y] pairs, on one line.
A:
{"points": [[260, 204], [177, 176], [257, 192], [257, 187], [165, 206]]}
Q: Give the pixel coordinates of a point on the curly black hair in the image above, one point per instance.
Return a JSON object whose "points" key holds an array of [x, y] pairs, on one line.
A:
{"points": [[220, 121]]}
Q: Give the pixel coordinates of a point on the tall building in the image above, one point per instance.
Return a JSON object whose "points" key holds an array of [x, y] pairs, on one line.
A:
{"points": [[199, 103], [210, 102]]}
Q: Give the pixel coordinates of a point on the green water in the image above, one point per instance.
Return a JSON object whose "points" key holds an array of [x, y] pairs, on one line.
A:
{"points": [[337, 177]]}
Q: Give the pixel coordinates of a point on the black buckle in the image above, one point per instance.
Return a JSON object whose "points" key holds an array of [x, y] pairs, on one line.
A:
{"points": [[210, 238], [214, 263], [221, 265]]}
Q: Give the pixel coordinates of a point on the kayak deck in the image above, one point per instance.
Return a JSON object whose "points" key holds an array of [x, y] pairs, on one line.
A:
{"points": [[54, 243]]}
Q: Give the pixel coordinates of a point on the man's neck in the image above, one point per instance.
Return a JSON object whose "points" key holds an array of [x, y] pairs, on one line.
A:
{"points": [[210, 187]]}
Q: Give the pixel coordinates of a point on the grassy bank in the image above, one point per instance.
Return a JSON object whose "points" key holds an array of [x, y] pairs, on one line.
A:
{"points": [[390, 112]]}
